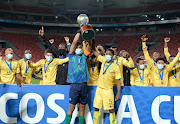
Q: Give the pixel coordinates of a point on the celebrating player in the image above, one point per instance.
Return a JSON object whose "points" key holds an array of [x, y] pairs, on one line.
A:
{"points": [[174, 76], [104, 93], [10, 68], [78, 76], [160, 71], [140, 76], [25, 69], [49, 67]]}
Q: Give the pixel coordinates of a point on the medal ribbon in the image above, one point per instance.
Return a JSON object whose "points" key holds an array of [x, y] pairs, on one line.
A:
{"points": [[106, 67], [142, 78], [26, 66], [9, 65]]}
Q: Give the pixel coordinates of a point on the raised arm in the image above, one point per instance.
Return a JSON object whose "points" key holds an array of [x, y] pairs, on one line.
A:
{"points": [[166, 52], [68, 43], [148, 59], [48, 42], [171, 65], [73, 46], [146, 53]]}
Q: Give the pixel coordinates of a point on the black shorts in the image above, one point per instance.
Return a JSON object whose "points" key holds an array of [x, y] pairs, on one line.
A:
{"points": [[78, 93]]}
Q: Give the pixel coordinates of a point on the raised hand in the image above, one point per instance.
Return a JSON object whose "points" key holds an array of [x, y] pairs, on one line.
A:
{"points": [[51, 41], [167, 39], [41, 32], [144, 38], [66, 39]]}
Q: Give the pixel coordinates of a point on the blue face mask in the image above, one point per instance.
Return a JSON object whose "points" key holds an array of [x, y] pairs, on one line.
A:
{"points": [[49, 58], [0, 58], [160, 66], [28, 56], [108, 58], [114, 56], [10, 56], [141, 66], [78, 51]]}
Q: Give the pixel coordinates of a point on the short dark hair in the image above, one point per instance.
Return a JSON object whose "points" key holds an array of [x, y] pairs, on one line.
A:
{"points": [[161, 58], [110, 51], [5, 50], [78, 43], [115, 47], [48, 51], [139, 59], [172, 56]]}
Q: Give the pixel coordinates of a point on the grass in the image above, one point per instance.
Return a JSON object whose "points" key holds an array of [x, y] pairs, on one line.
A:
{"points": [[36, 81]]}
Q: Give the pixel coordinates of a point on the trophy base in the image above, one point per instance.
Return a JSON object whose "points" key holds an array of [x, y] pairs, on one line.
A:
{"points": [[87, 32]]}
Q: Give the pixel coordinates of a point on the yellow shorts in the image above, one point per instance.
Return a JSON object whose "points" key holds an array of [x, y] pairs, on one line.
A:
{"points": [[105, 98]]}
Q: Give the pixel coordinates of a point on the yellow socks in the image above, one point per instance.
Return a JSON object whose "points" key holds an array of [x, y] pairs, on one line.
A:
{"points": [[96, 117], [112, 118]]}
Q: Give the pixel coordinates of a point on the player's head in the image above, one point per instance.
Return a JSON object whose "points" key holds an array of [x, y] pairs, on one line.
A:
{"points": [[8, 53], [0, 56], [62, 48], [48, 55], [140, 63], [156, 55], [27, 54], [160, 63], [115, 49], [109, 55], [101, 49], [171, 58], [78, 50]]}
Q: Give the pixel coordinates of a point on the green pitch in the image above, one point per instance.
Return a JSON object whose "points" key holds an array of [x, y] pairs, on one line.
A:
{"points": [[35, 81]]}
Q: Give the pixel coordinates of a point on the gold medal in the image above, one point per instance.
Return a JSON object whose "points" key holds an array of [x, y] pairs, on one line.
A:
{"points": [[176, 79], [45, 74], [161, 82], [79, 66]]}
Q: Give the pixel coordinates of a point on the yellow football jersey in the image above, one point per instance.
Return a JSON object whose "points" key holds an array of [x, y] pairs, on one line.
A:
{"points": [[49, 69], [8, 72], [106, 80], [120, 61], [140, 79], [93, 72], [26, 71], [166, 53], [156, 74], [174, 76]]}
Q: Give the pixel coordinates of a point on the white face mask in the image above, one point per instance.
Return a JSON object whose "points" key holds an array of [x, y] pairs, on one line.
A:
{"points": [[142, 66], [1, 58], [10, 56]]}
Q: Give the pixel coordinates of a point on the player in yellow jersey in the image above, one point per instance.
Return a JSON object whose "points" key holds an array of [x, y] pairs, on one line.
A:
{"points": [[160, 71], [104, 93], [93, 70], [49, 67], [10, 68], [25, 70], [174, 75], [120, 61], [140, 76]]}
